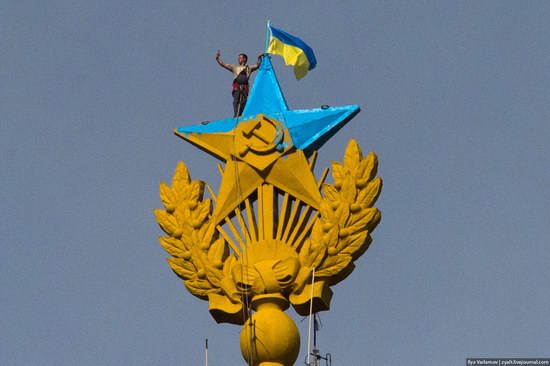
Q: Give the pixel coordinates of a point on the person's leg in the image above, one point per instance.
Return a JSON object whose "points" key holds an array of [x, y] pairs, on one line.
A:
{"points": [[236, 96], [242, 104]]}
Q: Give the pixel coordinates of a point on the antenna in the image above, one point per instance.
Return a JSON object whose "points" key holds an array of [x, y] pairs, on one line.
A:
{"points": [[316, 354], [315, 329], [206, 353], [310, 312], [316, 320]]}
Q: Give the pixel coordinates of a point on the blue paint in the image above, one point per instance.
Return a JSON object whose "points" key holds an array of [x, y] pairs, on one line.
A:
{"points": [[266, 96], [309, 128], [219, 126]]}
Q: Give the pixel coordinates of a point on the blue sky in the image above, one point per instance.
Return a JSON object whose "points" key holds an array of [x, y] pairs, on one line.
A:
{"points": [[455, 101]]}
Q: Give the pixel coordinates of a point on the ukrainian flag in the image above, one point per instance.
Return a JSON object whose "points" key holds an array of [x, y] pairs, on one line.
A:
{"points": [[293, 50]]}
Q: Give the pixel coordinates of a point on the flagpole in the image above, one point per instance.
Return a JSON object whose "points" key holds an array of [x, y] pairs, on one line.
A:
{"points": [[267, 34]]}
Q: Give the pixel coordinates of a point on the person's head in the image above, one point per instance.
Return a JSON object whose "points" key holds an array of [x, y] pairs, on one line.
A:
{"points": [[243, 58]]}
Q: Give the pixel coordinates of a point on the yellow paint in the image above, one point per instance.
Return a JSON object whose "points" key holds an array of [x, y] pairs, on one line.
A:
{"points": [[269, 226], [270, 337], [258, 151]]}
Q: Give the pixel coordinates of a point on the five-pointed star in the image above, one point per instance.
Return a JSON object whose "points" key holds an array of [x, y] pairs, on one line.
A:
{"points": [[308, 130]]}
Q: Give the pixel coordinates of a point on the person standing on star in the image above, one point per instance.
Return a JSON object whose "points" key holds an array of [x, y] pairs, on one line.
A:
{"points": [[241, 74]]}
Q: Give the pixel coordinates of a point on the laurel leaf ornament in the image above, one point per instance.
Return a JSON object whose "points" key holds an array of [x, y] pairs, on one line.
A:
{"points": [[214, 268]]}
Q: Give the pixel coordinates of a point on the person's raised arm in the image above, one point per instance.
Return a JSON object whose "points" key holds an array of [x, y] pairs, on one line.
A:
{"points": [[258, 63], [221, 63]]}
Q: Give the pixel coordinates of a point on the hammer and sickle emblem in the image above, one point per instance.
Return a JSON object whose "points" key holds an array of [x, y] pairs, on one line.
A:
{"points": [[261, 136]]}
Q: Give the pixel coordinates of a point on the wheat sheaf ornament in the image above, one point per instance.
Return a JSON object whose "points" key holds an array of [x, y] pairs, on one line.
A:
{"points": [[274, 235]]}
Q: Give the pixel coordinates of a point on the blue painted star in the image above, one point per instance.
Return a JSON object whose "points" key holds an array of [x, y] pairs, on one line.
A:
{"points": [[309, 129]]}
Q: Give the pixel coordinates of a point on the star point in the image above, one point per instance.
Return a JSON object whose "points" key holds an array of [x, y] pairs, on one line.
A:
{"points": [[268, 144]]}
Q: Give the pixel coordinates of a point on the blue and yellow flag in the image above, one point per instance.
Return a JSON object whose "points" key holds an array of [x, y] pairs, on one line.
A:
{"points": [[293, 50]]}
